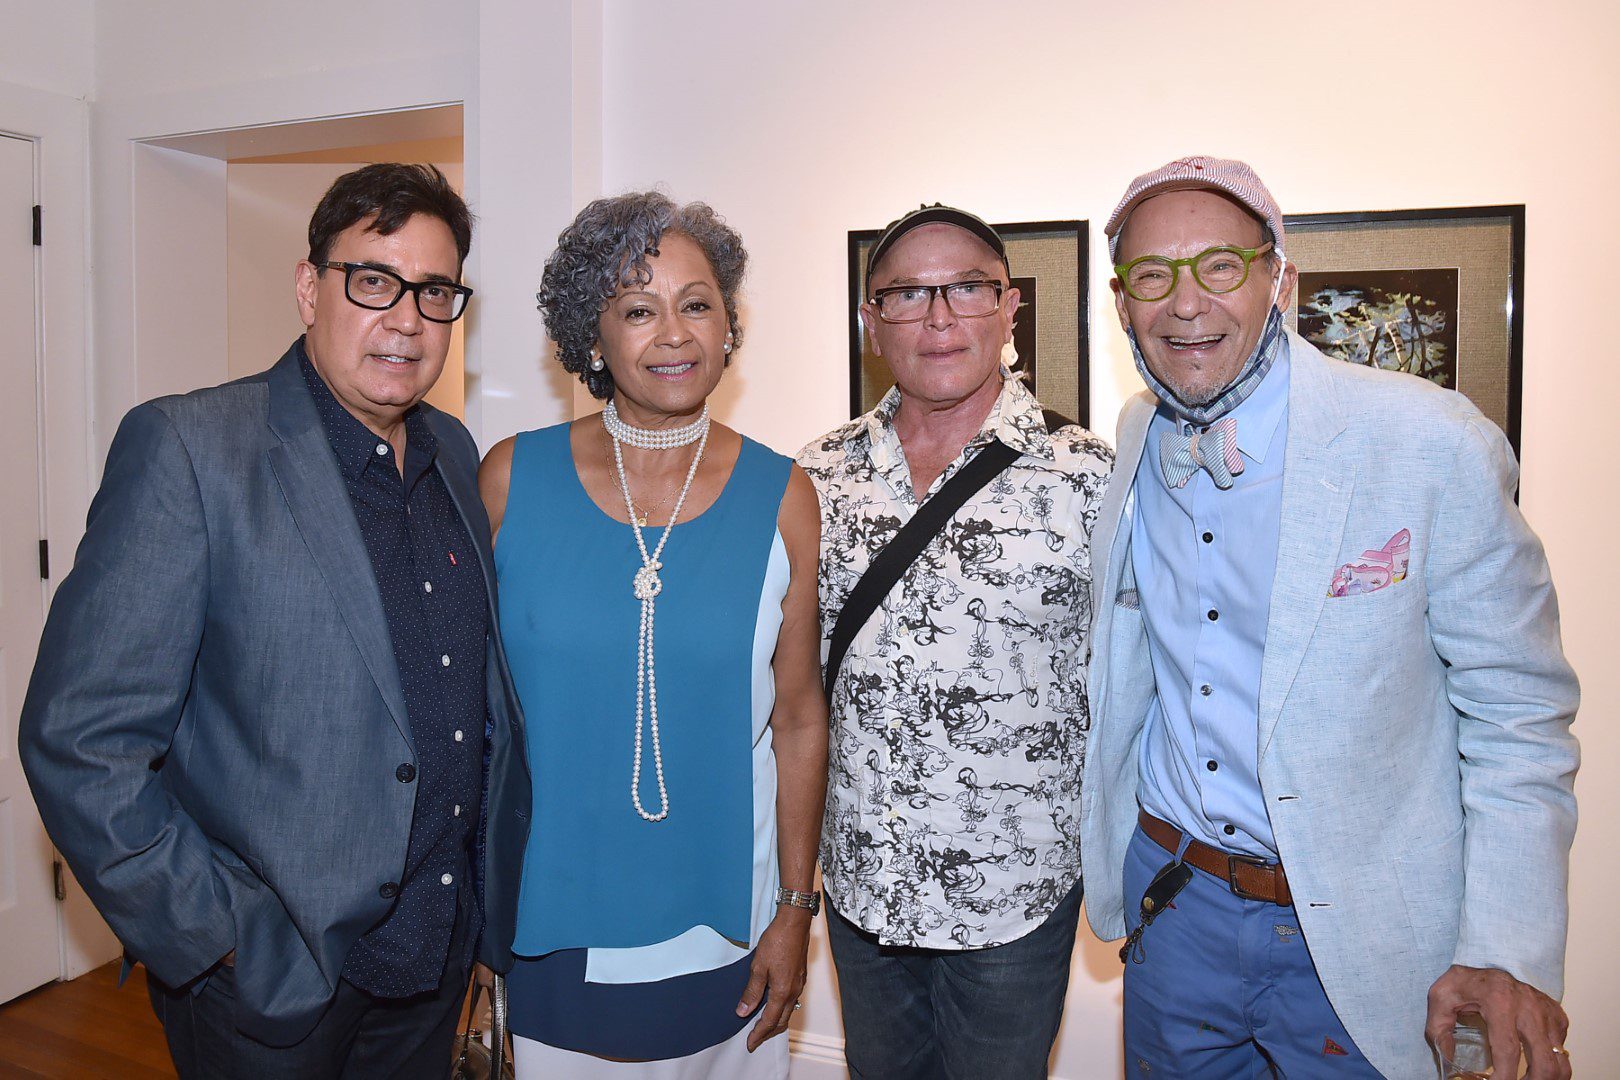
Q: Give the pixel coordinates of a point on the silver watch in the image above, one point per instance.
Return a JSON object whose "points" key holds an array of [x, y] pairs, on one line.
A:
{"points": [[810, 901]]}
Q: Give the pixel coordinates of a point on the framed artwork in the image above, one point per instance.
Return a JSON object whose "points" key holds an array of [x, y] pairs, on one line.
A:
{"points": [[1435, 293], [1052, 330]]}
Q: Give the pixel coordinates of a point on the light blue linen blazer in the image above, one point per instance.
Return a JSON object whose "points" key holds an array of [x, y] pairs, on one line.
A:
{"points": [[1414, 744]]}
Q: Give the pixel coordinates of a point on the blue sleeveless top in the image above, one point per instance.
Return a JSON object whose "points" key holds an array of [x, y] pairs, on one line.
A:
{"points": [[595, 874]]}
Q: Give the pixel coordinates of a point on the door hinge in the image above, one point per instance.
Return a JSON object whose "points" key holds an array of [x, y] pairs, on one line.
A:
{"points": [[45, 560], [37, 231], [61, 880]]}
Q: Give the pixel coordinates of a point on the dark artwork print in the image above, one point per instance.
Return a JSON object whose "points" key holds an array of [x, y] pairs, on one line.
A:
{"points": [[1024, 327], [1400, 320]]}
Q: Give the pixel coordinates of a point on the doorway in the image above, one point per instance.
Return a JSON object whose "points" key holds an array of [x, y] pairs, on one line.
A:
{"points": [[241, 200], [28, 916]]}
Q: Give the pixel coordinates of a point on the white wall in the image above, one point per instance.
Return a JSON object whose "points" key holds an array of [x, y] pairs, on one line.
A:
{"points": [[48, 46], [184, 67], [145, 49], [768, 112], [533, 158]]}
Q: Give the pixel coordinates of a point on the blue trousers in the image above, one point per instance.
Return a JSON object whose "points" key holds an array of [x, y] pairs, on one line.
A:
{"points": [[935, 1014], [1225, 989]]}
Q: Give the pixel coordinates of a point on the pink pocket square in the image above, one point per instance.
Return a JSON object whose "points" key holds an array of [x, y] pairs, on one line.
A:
{"points": [[1375, 569]]}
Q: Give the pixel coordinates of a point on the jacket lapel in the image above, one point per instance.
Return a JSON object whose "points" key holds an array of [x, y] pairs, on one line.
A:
{"points": [[460, 479], [307, 471], [1318, 482], [1111, 523]]}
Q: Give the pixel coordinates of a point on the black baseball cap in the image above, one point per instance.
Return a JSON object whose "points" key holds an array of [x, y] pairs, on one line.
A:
{"points": [[938, 213]]}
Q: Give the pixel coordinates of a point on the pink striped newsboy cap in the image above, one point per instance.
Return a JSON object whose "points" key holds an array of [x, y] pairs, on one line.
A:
{"points": [[1233, 177]]}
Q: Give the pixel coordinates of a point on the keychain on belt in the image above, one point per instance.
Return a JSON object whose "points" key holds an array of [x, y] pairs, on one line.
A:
{"points": [[1166, 884]]}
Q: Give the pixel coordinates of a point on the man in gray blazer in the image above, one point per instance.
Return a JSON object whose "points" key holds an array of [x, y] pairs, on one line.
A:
{"points": [[271, 726], [1328, 788]]}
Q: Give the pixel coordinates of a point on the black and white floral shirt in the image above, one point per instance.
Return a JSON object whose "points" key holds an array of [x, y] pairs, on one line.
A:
{"points": [[960, 718]]}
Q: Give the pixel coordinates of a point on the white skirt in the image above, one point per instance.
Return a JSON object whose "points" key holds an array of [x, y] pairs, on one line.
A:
{"points": [[729, 1060]]}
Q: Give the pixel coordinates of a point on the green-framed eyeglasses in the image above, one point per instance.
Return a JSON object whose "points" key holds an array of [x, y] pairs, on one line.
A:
{"points": [[1218, 270]]}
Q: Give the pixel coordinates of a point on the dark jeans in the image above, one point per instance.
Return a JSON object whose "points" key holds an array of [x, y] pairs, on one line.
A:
{"points": [[359, 1037], [978, 1014]]}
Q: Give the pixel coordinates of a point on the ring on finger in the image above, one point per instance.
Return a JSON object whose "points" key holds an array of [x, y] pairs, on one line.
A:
{"points": [[1556, 1049], [797, 1005]]}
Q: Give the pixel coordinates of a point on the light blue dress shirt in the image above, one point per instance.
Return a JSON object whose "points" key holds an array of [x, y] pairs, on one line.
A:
{"points": [[1204, 561]]}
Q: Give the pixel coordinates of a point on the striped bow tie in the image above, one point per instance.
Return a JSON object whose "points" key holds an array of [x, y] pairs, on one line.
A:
{"points": [[1215, 450]]}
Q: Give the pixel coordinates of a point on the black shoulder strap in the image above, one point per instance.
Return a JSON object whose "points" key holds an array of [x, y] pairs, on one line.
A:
{"points": [[907, 544]]}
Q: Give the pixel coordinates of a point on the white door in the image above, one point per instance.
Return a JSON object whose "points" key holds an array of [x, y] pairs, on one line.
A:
{"points": [[27, 883]]}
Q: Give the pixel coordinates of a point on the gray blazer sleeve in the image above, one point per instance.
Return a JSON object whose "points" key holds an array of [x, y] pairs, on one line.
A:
{"points": [[1494, 621], [106, 698]]}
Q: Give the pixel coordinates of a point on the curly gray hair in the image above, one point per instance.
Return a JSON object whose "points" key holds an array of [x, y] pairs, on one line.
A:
{"points": [[606, 248]]}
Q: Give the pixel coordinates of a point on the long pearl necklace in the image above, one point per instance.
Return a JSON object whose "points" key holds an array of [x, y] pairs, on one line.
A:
{"points": [[647, 584]]}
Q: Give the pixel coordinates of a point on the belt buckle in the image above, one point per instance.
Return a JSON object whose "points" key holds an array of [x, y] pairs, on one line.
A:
{"points": [[1239, 891]]}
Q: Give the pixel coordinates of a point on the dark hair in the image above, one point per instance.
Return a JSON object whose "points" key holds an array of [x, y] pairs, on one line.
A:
{"points": [[392, 194], [606, 247]]}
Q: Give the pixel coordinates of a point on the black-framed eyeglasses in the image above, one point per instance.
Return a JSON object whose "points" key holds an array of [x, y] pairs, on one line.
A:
{"points": [[378, 289], [910, 303], [1219, 270]]}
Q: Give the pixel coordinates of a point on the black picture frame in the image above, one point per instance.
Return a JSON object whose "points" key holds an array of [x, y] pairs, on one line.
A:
{"points": [[1346, 256], [1038, 250]]}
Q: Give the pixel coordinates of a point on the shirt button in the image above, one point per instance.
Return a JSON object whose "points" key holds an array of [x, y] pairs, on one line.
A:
{"points": [[446, 879], [895, 723], [388, 890], [457, 810], [1209, 538], [406, 773], [444, 660], [1229, 829], [1211, 766], [382, 449], [1213, 615], [427, 586], [458, 735], [1206, 690]]}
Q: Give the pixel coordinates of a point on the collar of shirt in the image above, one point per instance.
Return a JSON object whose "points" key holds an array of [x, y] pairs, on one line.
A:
{"points": [[1015, 419], [355, 444], [1257, 415]]}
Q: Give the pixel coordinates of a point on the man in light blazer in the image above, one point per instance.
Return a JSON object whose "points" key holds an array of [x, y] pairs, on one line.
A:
{"points": [[271, 727], [1330, 755]]}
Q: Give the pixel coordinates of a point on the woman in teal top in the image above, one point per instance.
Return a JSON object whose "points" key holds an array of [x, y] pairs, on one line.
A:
{"points": [[658, 606]]}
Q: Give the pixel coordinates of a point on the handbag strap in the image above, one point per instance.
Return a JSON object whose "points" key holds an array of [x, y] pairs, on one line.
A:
{"points": [[497, 1029], [472, 1019], [915, 536]]}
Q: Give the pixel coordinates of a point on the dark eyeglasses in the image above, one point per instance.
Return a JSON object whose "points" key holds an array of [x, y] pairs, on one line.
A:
{"points": [[378, 289], [910, 303]]}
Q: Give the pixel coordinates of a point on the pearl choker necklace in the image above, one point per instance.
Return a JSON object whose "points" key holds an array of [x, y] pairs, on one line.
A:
{"points": [[647, 584], [654, 439]]}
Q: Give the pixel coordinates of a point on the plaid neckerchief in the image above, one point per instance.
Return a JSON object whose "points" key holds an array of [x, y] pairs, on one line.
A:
{"points": [[1248, 380]]}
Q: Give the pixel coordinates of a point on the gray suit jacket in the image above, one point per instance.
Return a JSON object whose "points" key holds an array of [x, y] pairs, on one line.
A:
{"points": [[215, 718], [1414, 742]]}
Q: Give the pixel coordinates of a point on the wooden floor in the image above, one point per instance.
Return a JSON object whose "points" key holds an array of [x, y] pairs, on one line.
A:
{"points": [[90, 1028]]}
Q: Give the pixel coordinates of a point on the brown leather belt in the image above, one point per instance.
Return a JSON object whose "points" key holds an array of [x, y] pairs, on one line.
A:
{"points": [[1250, 878]]}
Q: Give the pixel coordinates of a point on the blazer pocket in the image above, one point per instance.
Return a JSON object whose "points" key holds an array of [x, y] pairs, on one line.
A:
{"points": [[1392, 601]]}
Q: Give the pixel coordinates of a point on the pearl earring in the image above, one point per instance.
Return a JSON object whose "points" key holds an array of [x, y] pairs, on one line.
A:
{"points": [[597, 363], [728, 345]]}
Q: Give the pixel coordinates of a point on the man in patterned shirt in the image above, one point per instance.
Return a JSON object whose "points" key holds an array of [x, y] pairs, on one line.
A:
{"points": [[950, 849]]}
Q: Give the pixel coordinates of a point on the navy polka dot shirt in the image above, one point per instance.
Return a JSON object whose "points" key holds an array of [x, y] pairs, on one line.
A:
{"points": [[433, 595]]}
